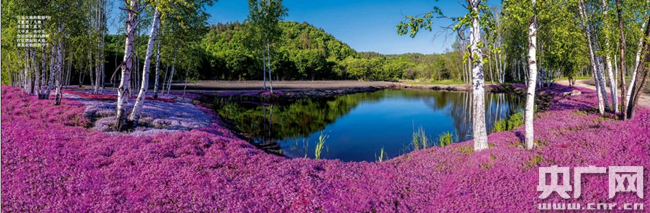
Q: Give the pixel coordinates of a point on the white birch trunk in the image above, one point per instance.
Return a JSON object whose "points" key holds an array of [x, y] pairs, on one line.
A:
{"points": [[126, 65], [171, 74], [608, 58], [637, 62], [44, 88], [37, 78], [478, 83], [155, 85], [592, 58], [264, 69], [530, 93], [268, 57], [139, 101], [24, 73], [57, 74]]}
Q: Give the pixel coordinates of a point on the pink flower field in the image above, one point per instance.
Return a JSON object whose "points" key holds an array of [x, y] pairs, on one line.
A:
{"points": [[51, 162]]}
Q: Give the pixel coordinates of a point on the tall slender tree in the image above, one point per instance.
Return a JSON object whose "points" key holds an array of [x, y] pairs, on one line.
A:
{"points": [[623, 45], [139, 101], [133, 9], [477, 15], [532, 80], [265, 16]]}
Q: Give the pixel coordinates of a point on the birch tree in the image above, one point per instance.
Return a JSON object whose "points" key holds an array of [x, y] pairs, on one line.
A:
{"points": [[608, 58], [265, 16], [596, 69], [157, 75], [127, 64], [477, 16], [636, 85], [623, 45], [641, 71], [137, 107], [532, 80]]}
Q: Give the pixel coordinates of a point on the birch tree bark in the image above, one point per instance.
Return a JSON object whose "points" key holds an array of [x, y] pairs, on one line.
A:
{"points": [[268, 57], [638, 87], [171, 74], [126, 65], [532, 69], [157, 76], [137, 107], [592, 57], [608, 58], [264, 69], [57, 74], [37, 78], [623, 46], [637, 63], [478, 82], [50, 84]]}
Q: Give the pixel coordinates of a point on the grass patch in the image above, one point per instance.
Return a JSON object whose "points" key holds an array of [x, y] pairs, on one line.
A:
{"points": [[420, 140], [511, 123], [320, 144], [445, 139], [382, 155]]}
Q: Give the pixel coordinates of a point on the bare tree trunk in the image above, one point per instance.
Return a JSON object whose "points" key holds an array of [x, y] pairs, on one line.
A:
{"points": [[171, 74], [25, 73], [37, 78], [81, 75], [45, 90], [57, 74], [90, 72], [530, 94], [592, 58], [638, 87], [478, 83], [155, 85], [637, 63], [164, 84], [126, 65], [97, 73], [268, 57], [264, 69], [137, 107], [623, 46], [608, 58], [32, 80]]}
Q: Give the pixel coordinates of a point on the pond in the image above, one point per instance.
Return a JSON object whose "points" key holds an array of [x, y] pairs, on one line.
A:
{"points": [[359, 126]]}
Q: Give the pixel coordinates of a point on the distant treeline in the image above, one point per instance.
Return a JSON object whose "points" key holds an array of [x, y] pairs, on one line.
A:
{"points": [[304, 52]]}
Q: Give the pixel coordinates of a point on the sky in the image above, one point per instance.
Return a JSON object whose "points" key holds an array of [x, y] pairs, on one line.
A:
{"points": [[365, 25]]}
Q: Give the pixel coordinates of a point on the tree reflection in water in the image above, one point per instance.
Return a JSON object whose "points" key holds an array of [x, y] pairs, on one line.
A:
{"points": [[290, 129]]}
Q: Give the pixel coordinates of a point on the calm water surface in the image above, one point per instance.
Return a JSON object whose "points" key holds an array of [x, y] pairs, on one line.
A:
{"points": [[358, 126]]}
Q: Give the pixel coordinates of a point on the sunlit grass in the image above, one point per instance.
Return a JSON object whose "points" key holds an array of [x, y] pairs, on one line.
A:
{"points": [[382, 155], [420, 140], [511, 123], [320, 144], [445, 139]]}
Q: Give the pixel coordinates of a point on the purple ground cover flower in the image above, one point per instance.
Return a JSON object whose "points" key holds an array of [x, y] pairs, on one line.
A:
{"points": [[52, 163]]}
